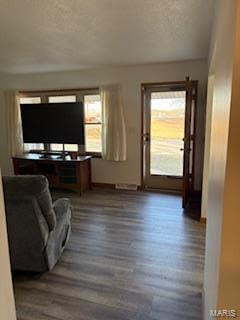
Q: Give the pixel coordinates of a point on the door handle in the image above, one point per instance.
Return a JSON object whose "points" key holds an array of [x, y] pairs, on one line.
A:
{"points": [[185, 149], [146, 137]]}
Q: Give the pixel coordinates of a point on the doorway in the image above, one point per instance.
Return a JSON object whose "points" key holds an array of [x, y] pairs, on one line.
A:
{"points": [[169, 117]]}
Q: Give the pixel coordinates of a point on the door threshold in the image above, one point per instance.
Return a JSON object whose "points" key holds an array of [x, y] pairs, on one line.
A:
{"points": [[165, 191]]}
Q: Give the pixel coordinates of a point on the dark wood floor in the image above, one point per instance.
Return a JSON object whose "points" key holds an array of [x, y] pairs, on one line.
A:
{"points": [[131, 256]]}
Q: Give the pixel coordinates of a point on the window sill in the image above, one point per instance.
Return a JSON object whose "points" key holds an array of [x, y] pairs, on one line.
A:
{"points": [[92, 154]]}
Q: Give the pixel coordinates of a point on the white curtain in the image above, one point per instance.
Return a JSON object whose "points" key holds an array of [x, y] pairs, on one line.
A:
{"points": [[14, 123], [114, 129]]}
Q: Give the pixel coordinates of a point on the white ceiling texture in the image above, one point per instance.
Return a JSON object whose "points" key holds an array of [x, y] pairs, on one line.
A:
{"points": [[56, 35]]}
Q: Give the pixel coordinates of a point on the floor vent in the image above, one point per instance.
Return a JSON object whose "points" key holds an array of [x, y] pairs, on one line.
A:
{"points": [[126, 186]]}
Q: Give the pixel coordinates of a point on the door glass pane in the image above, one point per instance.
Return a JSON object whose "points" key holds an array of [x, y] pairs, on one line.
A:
{"points": [[167, 133]]}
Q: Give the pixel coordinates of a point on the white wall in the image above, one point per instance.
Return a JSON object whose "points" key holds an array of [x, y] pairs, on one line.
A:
{"points": [[207, 147], [7, 304], [130, 78], [222, 263], [4, 161]]}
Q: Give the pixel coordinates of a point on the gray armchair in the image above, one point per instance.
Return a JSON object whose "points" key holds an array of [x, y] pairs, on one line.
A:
{"points": [[38, 230]]}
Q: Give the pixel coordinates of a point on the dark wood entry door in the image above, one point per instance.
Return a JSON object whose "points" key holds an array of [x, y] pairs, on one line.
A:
{"points": [[182, 181], [189, 141]]}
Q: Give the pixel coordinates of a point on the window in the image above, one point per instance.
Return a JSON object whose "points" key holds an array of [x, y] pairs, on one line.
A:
{"points": [[31, 146], [57, 146], [28, 100], [92, 114], [93, 123], [57, 99]]}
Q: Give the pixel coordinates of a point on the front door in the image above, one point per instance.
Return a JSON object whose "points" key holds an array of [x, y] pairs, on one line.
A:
{"points": [[168, 132], [189, 142]]}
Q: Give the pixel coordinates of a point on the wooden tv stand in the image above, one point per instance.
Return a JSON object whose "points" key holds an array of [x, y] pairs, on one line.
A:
{"points": [[61, 173]]}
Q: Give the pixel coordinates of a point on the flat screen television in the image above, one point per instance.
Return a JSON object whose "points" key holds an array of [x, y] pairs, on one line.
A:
{"points": [[53, 123]]}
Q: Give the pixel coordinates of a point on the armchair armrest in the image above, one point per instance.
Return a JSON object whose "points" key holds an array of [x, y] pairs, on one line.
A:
{"points": [[61, 206]]}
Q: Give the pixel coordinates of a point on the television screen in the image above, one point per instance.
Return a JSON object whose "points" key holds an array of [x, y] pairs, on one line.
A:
{"points": [[53, 123]]}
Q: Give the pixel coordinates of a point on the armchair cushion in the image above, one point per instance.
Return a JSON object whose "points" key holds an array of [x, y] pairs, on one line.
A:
{"points": [[61, 206]]}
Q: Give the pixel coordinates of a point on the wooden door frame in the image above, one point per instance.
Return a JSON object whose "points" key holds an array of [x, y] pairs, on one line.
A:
{"points": [[146, 85]]}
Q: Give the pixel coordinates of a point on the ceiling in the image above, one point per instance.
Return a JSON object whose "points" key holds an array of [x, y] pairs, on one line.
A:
{"points": [[56, 35]]}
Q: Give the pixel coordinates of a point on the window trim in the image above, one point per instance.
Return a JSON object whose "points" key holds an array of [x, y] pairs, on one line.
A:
{"points": [[57, 92], [78, 92]]}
